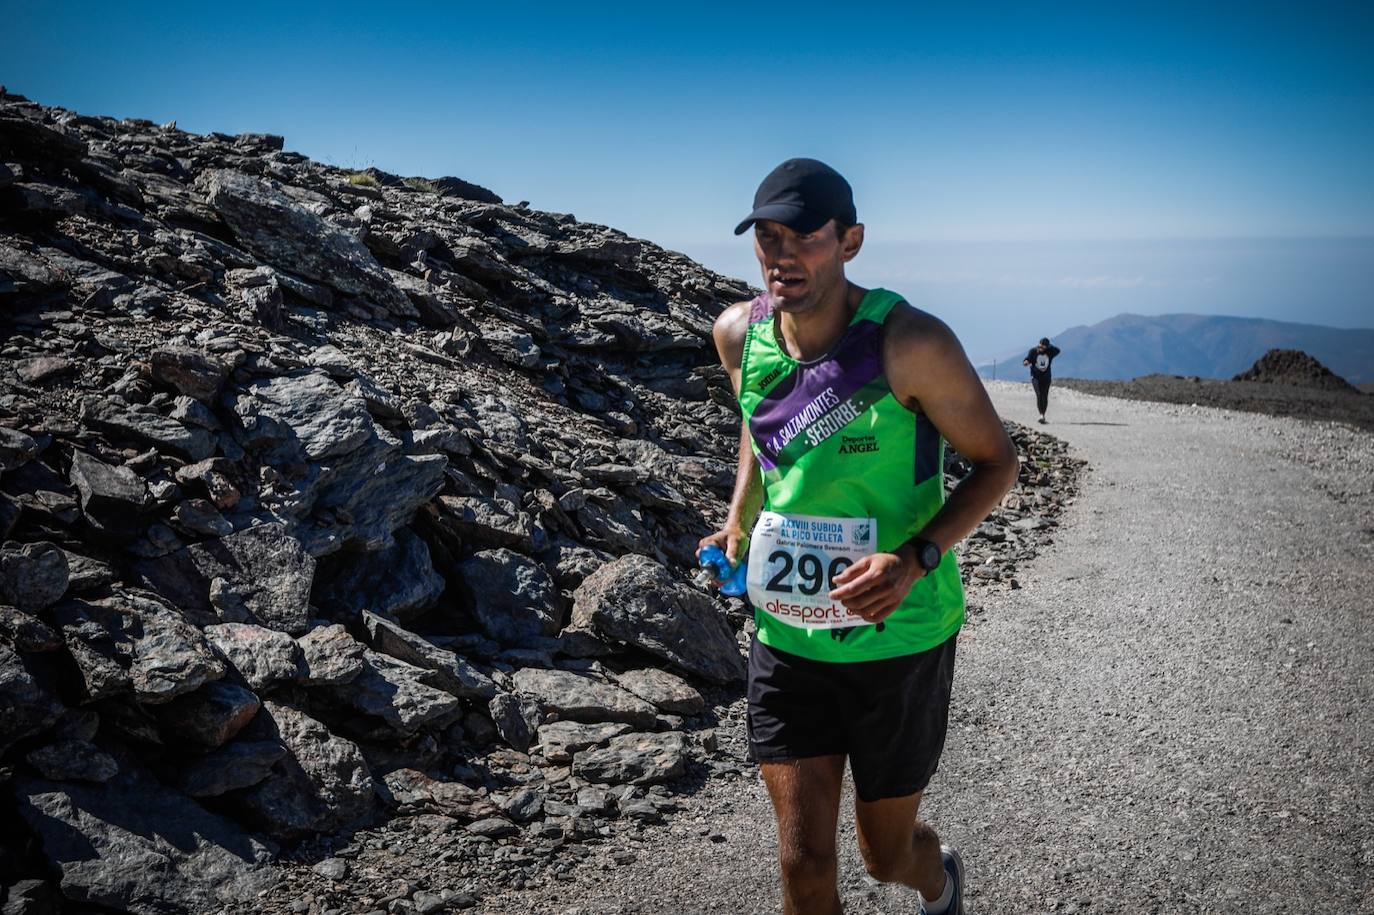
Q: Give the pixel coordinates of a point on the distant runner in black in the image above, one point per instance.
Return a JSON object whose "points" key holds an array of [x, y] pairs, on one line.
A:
{"points": [[1039, 360]]}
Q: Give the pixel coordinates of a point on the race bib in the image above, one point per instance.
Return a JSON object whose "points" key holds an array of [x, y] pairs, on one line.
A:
{"points": [[793, 559]]}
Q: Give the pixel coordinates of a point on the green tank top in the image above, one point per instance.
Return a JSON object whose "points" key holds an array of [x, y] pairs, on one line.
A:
{"points": [[832, 441]]}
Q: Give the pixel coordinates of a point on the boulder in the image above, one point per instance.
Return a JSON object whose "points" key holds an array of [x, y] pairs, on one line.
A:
{"points": [[450, 672], [26, 705], [261, 656], [161, 432], [397, 694], [193, 372], [16, 448], [73, 760], [514, 599], [237, 764], [396, 582], [210, 716], [33, 576], [637, 759], [637, 601], [113, 499], [27, 633], [667, 692], [330, 656], [558, 741], [578, 697]]}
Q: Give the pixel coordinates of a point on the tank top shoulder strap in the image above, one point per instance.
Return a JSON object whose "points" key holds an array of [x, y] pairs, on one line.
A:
{"points": [[876, 305]]}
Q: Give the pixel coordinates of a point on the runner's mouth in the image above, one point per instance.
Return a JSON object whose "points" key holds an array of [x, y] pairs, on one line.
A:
{"points": [[786, 283]]}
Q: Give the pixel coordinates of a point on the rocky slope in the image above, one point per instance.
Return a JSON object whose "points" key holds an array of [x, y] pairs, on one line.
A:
{"points": [[333, 501], [1294, 367]]}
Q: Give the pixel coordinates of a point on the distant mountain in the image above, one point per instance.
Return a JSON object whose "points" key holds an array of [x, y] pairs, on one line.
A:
{"points": [[1211, 346]]}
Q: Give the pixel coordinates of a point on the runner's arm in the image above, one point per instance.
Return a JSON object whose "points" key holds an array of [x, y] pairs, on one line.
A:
{"points": [[747, 498], [928, 371]]}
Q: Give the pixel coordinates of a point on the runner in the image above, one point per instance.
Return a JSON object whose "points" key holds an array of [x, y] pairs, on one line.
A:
{"points": [[845, 393], [1039, 359]]}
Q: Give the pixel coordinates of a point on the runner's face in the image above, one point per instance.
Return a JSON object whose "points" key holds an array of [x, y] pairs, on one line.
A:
{"points": [[799, 269]]}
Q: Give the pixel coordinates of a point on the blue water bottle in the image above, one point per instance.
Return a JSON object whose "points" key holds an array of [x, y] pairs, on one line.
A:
{"points": [[732, 582]]}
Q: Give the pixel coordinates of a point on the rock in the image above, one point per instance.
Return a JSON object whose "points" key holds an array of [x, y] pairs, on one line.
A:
{"points": [[330, 656], [260, 574], [27, 706], [193, 372], [321, 785], [486, 522], [560, 740], [413, 791], [16, 449], [100, 641], [451, 672], [197, 516], [112, 498], [42, 369], [33, 576], [214, 475], [29, 897], [637, 601], [576, 697], [665, 691], [261, 656], [397, 694], [307, 410], [132, 845], [397, 582], [210, 716], [25, 632], [493, 828], [524, 805], [161, 432], [170, 656], [514, 599], [73, 760], [516, 718], [640, 759], [335, 869], [87, 574], [237, 764], [268, 222]]}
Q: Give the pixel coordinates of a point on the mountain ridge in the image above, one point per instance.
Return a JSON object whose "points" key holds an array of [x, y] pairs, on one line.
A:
{"points": [[1130, 345]]}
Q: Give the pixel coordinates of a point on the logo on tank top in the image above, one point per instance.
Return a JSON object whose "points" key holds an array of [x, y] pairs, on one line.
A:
{"points": [[858, 444], [770, 377]]}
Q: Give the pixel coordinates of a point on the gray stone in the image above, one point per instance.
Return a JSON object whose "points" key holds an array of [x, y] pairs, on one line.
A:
{"points": [[486, 522], [330, 656], [273, 225], [398, 694], [493, 828], [558, 741], [237, 764], [100, 641], [309, 410], [214, 475], [451, 672], [198, 516], [514, 599], [87, 574], [40, 370], [576, 697], [261, 656], [516, 718], [132, 845], [397, 582], [210, 716], [26, 705], [73, 760], [162, 432], [16, 448], [321, 785], [637, 601], [666, 691], [170, 656], [193, 372], [524, 805], [413, 791], [26, 632], [113, 499], [639, 759], [33, 576]]}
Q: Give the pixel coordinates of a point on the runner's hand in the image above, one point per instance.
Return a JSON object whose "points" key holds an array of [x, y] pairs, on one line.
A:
{"points": [[875, 585], [728, 539]]}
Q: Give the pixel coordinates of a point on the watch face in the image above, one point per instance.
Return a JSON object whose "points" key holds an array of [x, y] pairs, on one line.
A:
{"points": [[930, 556]]}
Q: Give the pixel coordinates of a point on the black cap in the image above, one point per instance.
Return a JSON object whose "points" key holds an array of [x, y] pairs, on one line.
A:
{"points": [[803, 195]]}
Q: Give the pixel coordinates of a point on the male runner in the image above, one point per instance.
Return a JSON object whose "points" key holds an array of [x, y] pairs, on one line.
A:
{"points": [[846, 393], [1040, 358]]}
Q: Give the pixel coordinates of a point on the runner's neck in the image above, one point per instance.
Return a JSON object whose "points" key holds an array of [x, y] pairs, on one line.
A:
{"points": [[811, 334]]}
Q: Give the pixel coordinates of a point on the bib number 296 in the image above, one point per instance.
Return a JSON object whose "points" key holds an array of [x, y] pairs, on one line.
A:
{"points": [[813, 572]]}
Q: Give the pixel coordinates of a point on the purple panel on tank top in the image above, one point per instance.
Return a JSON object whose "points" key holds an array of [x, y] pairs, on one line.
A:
{"points": [[855, 361]]}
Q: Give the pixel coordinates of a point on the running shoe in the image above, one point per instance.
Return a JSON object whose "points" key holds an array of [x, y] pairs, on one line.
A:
{"points": [[954, 869]]}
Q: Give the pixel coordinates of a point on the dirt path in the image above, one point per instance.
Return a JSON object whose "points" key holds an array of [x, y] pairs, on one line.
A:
{"points": [[1173, 715]]}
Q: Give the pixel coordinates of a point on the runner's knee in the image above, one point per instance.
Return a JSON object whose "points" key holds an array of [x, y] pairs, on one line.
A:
{"points": [[887, 864], [807, 866]]}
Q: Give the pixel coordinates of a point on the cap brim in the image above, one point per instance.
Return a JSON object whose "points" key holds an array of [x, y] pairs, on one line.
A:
{"points": [[796, 218]]}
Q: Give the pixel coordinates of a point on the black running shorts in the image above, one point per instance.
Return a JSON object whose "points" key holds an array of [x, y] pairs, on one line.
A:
{"points": [[889, 716]]}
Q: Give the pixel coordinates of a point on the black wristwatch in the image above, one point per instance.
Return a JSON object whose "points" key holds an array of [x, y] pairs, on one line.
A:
{"points": [[927, 553]]}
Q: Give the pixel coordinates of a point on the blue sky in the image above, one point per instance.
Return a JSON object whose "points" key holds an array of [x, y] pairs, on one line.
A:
{"points": [[1019, 167]]}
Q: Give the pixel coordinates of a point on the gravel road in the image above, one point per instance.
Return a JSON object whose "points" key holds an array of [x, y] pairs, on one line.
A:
{"points": [[1173, 715]]}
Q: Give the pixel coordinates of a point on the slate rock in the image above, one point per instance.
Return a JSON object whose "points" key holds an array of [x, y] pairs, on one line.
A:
{"points": [[493, 828], [170, 656], [451, 672], [133, 845], [162, 432], [27, 706], [73, 760], [637, 601], [514, 599], [33, 576], [558, 741], [273, 225], [193, 372], [397, 693], [577, 697], [330, 656], [100, 641], [309, 410], [397, 582], [667, 692], [638, 759], [516, 718], [27, 633], [413, 791], [237, 764], [16, 449], [262, 656], [210, 716], [485, 522], [113, 499], [321, 785]]}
